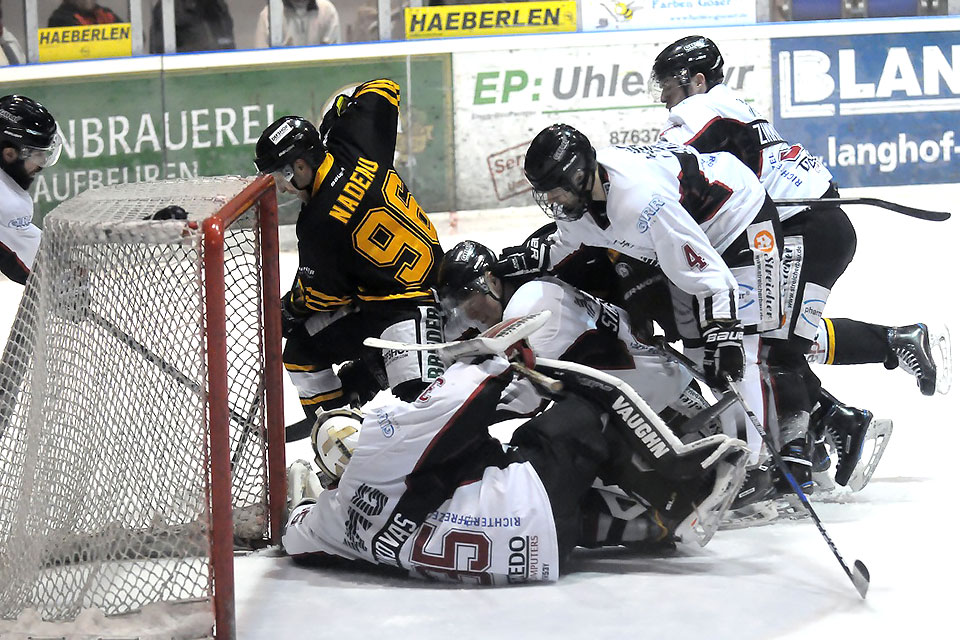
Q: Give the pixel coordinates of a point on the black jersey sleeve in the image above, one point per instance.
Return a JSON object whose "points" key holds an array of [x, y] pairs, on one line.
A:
{"points": [[733, 136], [364, 123]]}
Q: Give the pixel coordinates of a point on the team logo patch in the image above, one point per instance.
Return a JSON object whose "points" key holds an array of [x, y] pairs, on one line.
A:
{"points": [[281, 131], [764, 241]]}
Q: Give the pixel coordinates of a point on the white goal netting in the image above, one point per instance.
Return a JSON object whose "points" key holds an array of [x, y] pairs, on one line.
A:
{"points": [[105, 455]]}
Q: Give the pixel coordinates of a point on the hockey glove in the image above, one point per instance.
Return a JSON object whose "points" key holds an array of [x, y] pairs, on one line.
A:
{"points": [[293, 311], [521, 353], [170, 212], [723, 352], [527, 260]]}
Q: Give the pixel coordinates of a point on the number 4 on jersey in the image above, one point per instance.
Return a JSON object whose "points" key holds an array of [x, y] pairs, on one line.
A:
{"points": [[694, 259]]}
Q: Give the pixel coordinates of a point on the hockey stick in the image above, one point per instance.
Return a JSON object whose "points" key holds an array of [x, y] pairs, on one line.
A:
{"points": [[147, 354], [859, 575], [818, 203], [496, 340]]}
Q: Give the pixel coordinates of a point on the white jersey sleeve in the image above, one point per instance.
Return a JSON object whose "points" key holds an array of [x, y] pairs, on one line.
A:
{"points": [[19, 237], [671, 206], [786, 170], [494, 527]]}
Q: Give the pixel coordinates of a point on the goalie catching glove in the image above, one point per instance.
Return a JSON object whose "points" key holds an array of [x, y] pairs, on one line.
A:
{"points": [[722, 352]]}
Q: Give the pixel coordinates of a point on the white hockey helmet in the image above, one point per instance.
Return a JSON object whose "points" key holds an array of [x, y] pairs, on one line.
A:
{"points": [[334, 437]]}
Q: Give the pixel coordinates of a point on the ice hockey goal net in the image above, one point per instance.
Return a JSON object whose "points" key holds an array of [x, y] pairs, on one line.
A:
{"points": [[141, 427]]}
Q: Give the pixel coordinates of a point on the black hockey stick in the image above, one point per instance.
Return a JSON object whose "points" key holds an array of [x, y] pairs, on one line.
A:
{"points": [[147, 354], [913, 212], [859, 575]]}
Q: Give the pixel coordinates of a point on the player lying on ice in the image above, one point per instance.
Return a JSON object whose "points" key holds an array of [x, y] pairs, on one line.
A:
{"points": [[585, 329], [424, 487]]}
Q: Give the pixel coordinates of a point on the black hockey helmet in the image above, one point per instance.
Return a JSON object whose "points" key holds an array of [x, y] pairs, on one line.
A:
{"points": [[560, 157], [287, 139], [27, 126], [462, 270], [686, 58]]}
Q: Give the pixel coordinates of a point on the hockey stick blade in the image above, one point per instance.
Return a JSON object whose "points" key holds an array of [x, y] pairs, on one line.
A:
{"points": [[859, 575], [913, 212], [861, 578], [494, 341]]}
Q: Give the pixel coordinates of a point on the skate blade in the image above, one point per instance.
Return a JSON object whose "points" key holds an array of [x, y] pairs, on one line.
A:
{"points": [[940, 348], [823, 481], [752, 515], [878, 436]]}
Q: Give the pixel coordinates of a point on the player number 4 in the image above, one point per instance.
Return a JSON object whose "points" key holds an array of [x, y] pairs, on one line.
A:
{"points": [[694, 259]]}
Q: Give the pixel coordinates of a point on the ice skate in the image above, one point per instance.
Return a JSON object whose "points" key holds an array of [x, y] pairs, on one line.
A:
{"points": [[910, 350], [847, 427]]}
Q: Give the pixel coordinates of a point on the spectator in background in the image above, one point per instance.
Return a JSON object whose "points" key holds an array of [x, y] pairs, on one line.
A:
{"points": [[201, 25], [76, 13], [305, 22], [10, 50]]}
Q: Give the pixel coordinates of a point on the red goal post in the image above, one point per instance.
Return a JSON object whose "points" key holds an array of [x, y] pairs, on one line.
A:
{"points": [[261, 192]]}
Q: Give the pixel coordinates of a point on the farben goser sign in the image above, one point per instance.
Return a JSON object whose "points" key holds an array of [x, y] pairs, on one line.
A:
{"points": [[879, 109]]}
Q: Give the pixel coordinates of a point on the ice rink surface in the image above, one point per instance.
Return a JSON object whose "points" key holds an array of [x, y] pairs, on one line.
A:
{"points": [[775, 581]]}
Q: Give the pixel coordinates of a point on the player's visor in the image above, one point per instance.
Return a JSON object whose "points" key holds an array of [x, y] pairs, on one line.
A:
{"points": [[560, 204], [43, 156]]}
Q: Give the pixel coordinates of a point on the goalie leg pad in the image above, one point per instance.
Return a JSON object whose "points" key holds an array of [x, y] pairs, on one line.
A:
{"points": [[640, 431]]}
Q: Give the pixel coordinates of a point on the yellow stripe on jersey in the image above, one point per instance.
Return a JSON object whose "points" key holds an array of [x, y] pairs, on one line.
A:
{"points": [[319, 301], [382, 83], [323, 397], [397, 296], [831, 340], [306, 368], [322, 172], [386, 88]]}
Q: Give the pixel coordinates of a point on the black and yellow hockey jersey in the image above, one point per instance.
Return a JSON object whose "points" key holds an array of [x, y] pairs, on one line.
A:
{"points": [[362, 236]]}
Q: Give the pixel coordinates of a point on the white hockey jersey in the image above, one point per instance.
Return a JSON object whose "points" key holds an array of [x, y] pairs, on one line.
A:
{"points": [[497, 528], [19, 237], [585, 329], [672, 206], [786, 170]]}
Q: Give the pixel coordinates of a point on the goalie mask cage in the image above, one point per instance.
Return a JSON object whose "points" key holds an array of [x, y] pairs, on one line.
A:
{"points": [[141, 426]]}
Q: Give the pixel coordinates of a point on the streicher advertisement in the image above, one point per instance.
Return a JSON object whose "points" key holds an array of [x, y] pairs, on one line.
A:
{"points": [[503, 99], [879, 109]]}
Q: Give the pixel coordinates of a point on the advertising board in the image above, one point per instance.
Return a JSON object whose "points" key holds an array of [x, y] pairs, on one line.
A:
{"points": [[503, 98], [880, 109]]}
